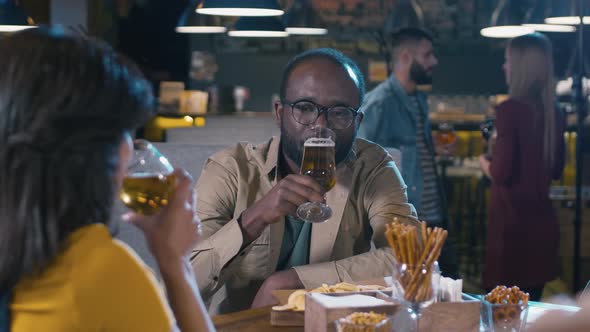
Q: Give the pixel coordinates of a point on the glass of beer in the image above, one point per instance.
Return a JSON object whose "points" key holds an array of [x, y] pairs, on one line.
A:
{"points": [[149, 180], [445, 137], [319, 163]]}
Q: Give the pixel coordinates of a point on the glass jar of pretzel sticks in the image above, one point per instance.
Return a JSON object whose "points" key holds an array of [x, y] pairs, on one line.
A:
{"points": [[415, 250]]}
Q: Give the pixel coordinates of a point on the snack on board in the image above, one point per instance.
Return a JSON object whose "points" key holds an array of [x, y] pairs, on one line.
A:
{"points": [[296, 301], [507, 305], [418, 251], [364, 322], [337, 288]]}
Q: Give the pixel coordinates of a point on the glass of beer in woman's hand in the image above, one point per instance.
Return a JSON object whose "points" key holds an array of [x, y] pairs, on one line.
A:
{"points": [[319, 163], [149, 181]]}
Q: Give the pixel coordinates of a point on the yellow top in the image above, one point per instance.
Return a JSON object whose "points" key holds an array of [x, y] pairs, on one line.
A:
{"points": [[96, 284]]}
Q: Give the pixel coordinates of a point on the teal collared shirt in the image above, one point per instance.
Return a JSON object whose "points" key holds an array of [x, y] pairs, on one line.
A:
{"points": [[295, 246]]}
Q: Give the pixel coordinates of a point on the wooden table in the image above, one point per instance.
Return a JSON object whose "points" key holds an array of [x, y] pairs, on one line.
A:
{"points": [[252, 320], [258, 320]]}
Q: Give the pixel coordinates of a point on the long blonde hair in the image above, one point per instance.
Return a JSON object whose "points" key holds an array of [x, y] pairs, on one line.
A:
{"points": [[531, 77]]}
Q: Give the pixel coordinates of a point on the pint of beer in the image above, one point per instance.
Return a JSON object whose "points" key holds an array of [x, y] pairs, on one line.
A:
{"points": [[320, 164], [146, 193], [318, 161], [149, 181]]}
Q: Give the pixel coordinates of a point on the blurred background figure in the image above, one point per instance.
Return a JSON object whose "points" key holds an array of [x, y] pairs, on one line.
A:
{"points": [[396, 115], [527, 154]]}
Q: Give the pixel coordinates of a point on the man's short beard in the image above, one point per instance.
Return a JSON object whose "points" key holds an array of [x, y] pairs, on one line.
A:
{"points": [[292, 148], [419, 75]]}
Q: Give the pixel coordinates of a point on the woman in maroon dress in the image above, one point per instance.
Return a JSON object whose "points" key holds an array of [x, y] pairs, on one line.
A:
{"points": [[522, 245]]}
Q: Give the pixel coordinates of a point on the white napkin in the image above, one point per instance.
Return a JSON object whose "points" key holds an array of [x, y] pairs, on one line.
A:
{"points": [[449, 290], [346, 301]]}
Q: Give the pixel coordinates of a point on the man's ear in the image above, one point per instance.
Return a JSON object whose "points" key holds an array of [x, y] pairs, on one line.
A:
{"points": [[359, 119], [406, 55], [278, 112]]}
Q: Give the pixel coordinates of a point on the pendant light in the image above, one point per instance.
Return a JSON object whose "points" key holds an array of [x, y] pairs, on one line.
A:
{"points": [[405, 14], [535, 18], [258, 27], [240, 8], [13, 18], [565, 12], [505, 23], [302, 19], [192, 22]]}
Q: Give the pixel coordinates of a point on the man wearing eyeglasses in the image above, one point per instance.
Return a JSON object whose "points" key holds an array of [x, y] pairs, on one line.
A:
{"points": [[248, 196]]}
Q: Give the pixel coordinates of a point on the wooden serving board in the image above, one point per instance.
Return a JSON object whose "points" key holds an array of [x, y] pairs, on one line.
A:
{"points": [[288, 317], [321, 319], [294, 318], [451, 317], [297, 318], [439, 317]]}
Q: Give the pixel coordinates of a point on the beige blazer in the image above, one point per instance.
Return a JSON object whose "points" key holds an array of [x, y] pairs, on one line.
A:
{"points": [[368, 194]]}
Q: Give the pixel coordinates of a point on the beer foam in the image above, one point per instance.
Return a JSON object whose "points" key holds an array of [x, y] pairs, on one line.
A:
{"points": [[147, 175], [320, 142]]}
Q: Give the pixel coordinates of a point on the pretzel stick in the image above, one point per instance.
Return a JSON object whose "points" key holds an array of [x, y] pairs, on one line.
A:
{"points": [[418, 251], [409, 249], [415, 247], [389, 238], [438, 237], [423, 232], [425, 292], [436, 251], [427, 248]]}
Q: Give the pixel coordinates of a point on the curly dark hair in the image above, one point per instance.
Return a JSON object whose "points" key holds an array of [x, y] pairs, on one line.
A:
{"points": [[66, 102]]}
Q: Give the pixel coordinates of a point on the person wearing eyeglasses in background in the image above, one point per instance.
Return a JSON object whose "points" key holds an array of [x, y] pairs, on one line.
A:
{"points": [[248, 196]]}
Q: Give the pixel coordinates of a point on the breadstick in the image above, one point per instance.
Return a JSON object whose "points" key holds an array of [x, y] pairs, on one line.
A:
{"points": [[418, 251], [423, 232]]}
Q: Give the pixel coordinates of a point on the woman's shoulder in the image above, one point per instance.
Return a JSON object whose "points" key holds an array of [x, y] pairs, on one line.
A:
{"points": [[514, 104], [112, 280], [515, 109], [97, 262], [98, 253]]}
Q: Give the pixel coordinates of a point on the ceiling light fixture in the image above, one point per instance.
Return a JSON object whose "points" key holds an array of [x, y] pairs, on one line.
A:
{"points": [[240, 8], [302, 19], [564, 12], [192, 22], [258, 27], [13, 18], [405, 13], [505, 23], [535, 18]]}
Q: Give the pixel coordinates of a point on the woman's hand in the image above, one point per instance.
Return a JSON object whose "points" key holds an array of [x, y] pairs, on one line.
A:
{"points": [[171, 234], [175, 229], [484, 163]]}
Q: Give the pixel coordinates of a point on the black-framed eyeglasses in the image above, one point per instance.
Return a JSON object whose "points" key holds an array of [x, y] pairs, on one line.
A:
{"points": [[307, 112]]}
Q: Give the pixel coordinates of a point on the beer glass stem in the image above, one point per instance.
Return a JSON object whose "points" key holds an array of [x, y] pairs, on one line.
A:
{"points": [[314, 212]]}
